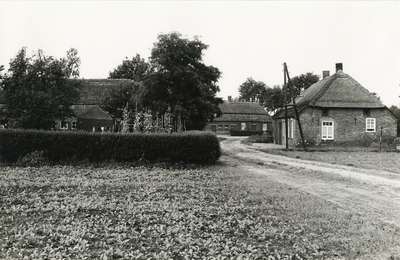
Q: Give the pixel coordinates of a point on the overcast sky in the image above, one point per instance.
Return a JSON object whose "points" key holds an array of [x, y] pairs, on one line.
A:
{"points": [[245, 38]]}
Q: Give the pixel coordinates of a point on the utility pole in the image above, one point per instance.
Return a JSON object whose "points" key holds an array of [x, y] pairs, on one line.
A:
{"points": [[295, 110], [285, 103]]}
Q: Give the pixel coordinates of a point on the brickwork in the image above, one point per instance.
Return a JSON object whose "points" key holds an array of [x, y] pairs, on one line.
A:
{"points": [[349, 128]]}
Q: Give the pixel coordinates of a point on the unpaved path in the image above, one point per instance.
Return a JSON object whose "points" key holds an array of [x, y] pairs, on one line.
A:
{"points": [[372, 192]]}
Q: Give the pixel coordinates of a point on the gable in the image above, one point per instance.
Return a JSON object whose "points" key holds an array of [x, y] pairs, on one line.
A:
{"points": [[96, 113]]}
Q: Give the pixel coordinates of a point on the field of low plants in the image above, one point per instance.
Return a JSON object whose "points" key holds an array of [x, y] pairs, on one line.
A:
{"points": [[215, 212], [379, 160]]}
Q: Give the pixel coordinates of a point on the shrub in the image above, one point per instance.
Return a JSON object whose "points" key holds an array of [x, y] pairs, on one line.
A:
{"points": [[33, 159], [198, 148]]}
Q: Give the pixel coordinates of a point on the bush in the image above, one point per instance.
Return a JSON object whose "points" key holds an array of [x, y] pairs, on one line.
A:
{"points": [[234, 132], [263, 138], [198, 148]]}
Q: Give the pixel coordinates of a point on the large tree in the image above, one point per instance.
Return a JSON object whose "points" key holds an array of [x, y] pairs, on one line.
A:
{"points": [[120, 98], [273, 98], [37, 90], [180, 82], [252, 91], [135, 69]]}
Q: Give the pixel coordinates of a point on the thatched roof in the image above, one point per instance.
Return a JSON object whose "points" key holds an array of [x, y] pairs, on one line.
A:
{"points": [[339, 91], [242, 111], [237, 107], [94, 91]]}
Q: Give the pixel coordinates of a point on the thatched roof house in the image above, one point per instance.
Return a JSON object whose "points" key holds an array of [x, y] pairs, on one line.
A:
{"points": [[88, 113], [338, 111], [240, 116]]}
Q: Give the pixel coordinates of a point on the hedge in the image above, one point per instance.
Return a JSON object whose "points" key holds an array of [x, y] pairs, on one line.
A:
{"points": [[245, 132], [197, 148]]}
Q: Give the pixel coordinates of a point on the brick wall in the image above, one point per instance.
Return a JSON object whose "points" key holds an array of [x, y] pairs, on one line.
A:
{"points": [[349, 128]]}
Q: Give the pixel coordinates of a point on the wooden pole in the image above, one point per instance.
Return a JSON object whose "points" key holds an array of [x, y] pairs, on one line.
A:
{"points": [[285, 103], [297, 114]]}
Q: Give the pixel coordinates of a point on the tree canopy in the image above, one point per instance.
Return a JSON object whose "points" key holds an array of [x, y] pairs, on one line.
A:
{"points": [[252, 91], [180, 82], [135, 69], [302, 82], [37, 91]]}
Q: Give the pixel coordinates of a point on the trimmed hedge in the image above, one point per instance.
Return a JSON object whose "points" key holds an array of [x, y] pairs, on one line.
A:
{"points": [[197, 148], [244, 132]]}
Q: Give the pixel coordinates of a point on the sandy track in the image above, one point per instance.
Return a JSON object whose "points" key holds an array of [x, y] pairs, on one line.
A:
{"points": [[372, 192]]}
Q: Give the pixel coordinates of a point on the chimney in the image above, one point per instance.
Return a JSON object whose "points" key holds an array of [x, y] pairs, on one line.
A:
{"points": [[339, 66], [229, 98], [325, 74]]}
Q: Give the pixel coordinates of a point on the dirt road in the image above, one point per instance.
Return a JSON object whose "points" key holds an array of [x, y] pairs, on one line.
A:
{"points": [[368, 191]]}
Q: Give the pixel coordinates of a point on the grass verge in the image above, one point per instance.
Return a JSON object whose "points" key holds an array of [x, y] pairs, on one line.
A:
{"points": [[208, 213]]}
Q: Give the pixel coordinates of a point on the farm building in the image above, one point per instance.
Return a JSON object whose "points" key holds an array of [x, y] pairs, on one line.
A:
{"points": [[239, 115], [89, 116], [338, 111]]}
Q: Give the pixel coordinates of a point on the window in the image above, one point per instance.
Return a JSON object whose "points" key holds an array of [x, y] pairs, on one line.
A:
{"points": [[226, 127], [291, 134], [367, 112], [325, 112], [73, 125], [63, 125], [233, 127], [219, 127], [254, 127], [370, 124], [327, 130], [265, 127], [243, 126]]}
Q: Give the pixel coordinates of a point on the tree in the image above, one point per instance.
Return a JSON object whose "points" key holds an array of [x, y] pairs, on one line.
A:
{"points": [[71, 63], [135, 69], [37, 91], [273, 98], [127, 96], [300, 83], [181, 83], [396, 111], [119, 98], [252, 91]]}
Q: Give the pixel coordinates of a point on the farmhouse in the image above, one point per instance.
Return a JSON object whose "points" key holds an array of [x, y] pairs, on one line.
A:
{"points": [[338, 111], [89, 116], [239, 115]]}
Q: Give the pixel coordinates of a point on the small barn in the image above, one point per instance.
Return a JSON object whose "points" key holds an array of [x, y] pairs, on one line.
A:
{"points": [[239, 115], [337, 111]]}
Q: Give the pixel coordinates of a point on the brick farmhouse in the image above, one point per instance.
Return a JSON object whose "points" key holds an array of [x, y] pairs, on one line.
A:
{"points": [[239, 115], [338, 112]]}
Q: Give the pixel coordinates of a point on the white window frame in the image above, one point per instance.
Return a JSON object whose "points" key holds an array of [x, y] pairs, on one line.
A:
{"points": [[66, 124], [243, 126], [328, 136], [265, 126], [73, 125], [291, 128], [370, 125]]}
